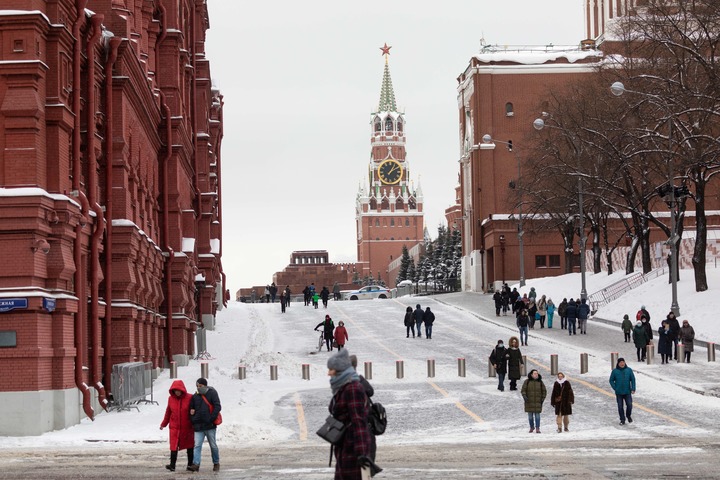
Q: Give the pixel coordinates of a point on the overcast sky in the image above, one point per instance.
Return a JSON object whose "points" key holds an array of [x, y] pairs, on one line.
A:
{"points": [[300, 80]]}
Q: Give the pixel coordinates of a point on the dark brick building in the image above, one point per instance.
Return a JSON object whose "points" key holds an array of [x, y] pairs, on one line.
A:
{"points": [[110, 198]]}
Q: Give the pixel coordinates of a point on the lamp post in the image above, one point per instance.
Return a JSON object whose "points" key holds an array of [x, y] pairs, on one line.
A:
{"points": [[502, 254], [618, 89], [539, 124], [487, 139]]}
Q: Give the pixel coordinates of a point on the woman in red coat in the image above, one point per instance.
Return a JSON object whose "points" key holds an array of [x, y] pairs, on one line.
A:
{"points": [[340, 335], [177, 414]]}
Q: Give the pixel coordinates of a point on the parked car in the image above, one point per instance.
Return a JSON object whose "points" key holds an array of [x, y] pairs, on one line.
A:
{"points": [[368, 292]]}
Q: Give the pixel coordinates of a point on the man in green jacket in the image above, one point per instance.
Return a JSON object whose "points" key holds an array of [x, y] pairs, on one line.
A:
{"points": [[622, 381]]}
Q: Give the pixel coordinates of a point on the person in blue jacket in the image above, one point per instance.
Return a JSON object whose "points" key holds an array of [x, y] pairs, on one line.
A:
{"points": [[622, 381]]}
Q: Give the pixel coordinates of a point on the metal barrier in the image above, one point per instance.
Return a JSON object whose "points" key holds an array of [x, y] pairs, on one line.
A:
{"points": [[461, 367], [583, 363], [553, 364], [273, 372], [368, 370], [523, 366], [618, 289], [399, 369], [613, 359], [431, 367], [306, 371], [681, 353], [242, 374], [711, 351], [131, 384]]}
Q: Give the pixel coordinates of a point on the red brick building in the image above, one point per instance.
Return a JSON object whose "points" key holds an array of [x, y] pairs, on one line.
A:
{"points": [[110, 198], [389, 210]]}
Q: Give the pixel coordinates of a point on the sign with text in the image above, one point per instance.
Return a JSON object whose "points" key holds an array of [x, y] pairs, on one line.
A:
{"points": [[49, 304], [7, 304]]}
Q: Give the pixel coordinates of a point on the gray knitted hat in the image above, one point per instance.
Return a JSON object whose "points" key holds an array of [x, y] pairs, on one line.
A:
{"points": [[340, 361]]}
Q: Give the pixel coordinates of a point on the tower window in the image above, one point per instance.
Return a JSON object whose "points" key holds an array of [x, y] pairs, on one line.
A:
{"points": [[377, 222], [392, 222], [388, 124], [509, 111], [407, 222], [400, 126], [378, 125]]}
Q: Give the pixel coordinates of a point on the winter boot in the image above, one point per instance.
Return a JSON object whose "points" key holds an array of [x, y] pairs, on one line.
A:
{"points": [[216, 467]]}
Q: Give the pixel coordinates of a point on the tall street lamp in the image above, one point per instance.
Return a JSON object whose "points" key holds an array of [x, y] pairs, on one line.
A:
{"points": [[539, 124], [487, 139], [617, 89]]}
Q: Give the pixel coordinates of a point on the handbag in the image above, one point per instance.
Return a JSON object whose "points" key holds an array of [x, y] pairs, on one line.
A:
{"points": [[218, 419], [332, 430]]}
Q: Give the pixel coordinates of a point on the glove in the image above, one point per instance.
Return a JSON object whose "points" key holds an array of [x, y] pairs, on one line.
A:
{"points": [[366, 461], [525, 398]]}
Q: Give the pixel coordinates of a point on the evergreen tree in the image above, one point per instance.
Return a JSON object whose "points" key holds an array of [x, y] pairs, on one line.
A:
{"points": [[412, 272], [404, 265]]}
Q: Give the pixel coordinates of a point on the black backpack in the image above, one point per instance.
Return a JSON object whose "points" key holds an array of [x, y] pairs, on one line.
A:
{"points": [[377, 419]]}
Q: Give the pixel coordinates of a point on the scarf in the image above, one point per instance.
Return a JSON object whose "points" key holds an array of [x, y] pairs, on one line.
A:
{"points": [[561, 381], [346, 376]]}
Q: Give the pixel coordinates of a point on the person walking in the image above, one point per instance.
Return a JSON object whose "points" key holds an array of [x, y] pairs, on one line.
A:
{"points": [[627, 328], [409, 322], [336, 291], [328, 329], [687, 335], [550, 312], [418, 313], [498, 359], [325, 296], [282, 303], [522, 323], [674, 332], [204, 410], [534, 392], [542, 310], [349, 405], [622, 381], [562, 398], [514, 359], [571, 312], [583, 312], [642, 313], [505, 298], [518, 306], [497, 298], [341, 335], [648, 331], [562, 308], [306, 295], [531, 313], [273, 292], [266, 293], [315, 299], [428, 319], [532, 295], [177, 415], [640, 340], [287, 296], [514, 297], [665, 343]]}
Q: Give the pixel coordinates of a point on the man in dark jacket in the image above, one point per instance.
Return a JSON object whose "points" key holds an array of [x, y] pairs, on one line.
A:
{"points": [[674, 334], [328, 329], [418, 313], [562, 309], [583, 312], [204, 410], [428, 318], [498, 359], [571, 312]]}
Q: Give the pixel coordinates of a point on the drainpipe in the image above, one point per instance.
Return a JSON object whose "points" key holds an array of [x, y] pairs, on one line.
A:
{"points": [[99, 224], [165, 194], [108, 154], [80, 319], [193, 125]]}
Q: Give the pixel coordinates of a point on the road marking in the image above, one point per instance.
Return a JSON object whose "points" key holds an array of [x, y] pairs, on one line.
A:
{"points": [[459, 405], [301, 417]]}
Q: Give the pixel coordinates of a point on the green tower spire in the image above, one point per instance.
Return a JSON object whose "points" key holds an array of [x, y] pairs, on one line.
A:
{"points": [[387, 95]]}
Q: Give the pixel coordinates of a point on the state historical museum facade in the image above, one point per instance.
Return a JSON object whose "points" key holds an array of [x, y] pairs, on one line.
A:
{"points": [[110, 198]]}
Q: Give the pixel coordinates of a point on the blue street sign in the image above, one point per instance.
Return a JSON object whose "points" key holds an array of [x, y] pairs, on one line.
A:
{"points": [[7, 304], [49, 304]]}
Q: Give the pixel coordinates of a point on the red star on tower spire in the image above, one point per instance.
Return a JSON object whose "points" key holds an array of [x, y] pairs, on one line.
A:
{"points": [[385, 50]]}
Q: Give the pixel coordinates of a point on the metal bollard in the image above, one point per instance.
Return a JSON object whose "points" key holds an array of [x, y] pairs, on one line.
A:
{"points": [[613, 359], [583, 363], [173, 369], [711, 351], [553, 364], [461, 367], [650, 353], [523, 367], [681, 353], [431, 367], [204, 370], [368, 370], [241, 372], [306, 371], [491, 371], [399, 369], [273, 372]]}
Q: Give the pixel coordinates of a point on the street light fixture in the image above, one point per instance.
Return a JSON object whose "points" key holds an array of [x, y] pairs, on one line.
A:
{"points": [[487, 140], [539, 124], [618, 89]]}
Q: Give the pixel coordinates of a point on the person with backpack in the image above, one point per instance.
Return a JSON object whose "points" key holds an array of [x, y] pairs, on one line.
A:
{"points": [[204, 411], [328, 329], [409, 322], [428, 318], [418, 313], [571, 312]]}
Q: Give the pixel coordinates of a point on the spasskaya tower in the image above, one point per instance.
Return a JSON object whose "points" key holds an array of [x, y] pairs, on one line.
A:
{"points": [[389, 208]]}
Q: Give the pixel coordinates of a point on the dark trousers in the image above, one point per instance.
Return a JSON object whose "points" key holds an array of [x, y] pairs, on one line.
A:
{"points": [[627, 400], [410, 328], [513, 384], [627, 336], [563, 322], [328, 343], [174, 455], [641, 353], [418, 327]]}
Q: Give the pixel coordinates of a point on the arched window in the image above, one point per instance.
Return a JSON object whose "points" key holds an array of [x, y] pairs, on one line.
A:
{"points": [[400, 125], [378, 125], [392, 222], [377, 222], [407, 222], [509, 109], [392, 238], [388, 124]]}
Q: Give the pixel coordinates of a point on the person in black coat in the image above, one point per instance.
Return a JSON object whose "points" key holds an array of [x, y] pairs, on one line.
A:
{"points": [[674, 332], [325, 296], [665, 343], [648, 332], [428, 318], [497, 298], [514, 357], [328, 329], [514, 296], [418, 313], [409, 322], [498, 359], [571, 312], [204, 409]]}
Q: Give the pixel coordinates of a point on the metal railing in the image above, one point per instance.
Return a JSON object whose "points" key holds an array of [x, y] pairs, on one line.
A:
{"points": [[620, 288], [131, 384]]}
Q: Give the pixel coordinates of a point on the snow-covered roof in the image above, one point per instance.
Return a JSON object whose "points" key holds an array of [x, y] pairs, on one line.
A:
{"points": [[536, 56]]}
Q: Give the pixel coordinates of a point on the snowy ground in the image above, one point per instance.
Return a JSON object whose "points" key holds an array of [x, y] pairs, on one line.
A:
{"points": [[675, 404]]}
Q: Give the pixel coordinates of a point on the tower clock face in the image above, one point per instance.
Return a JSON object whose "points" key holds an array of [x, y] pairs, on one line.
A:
{"points": [[390, 172]]}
